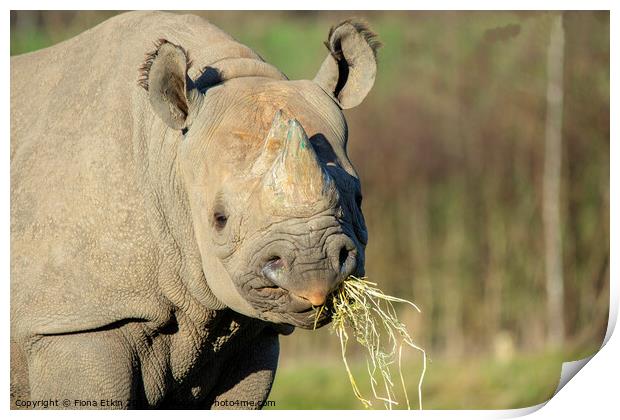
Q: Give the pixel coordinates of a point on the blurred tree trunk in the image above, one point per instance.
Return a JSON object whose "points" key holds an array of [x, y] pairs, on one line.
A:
{"points": [[551, 184], [454, 279]]}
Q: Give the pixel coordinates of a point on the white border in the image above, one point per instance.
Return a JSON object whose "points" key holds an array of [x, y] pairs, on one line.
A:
{"points": [[315, 5], [593, 393]]}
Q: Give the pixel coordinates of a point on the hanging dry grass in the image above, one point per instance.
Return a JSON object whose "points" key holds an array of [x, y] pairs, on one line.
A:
{"points": [[361, 308]]}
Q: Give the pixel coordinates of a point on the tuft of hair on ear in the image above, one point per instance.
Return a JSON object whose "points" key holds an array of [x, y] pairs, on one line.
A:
{"points": [[362, 27], [145, 67]]}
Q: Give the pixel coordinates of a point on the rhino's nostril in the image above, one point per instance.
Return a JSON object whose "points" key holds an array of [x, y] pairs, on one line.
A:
{"points": [[342, 253], [274, 262], [348, 261], [342, 257], [272, 270]]}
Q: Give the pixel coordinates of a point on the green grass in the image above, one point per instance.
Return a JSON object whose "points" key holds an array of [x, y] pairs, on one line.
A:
{"points": [[478, 383], [30, 40]]}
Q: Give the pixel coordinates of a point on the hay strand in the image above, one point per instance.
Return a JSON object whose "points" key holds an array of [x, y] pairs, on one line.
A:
{"points": [[362, 308]]}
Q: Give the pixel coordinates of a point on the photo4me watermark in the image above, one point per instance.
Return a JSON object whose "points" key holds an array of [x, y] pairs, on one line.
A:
{"points": [[243, 404]]}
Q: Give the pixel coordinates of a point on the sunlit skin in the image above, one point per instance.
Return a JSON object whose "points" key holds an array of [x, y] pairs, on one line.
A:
{"points": [[176, 204]]}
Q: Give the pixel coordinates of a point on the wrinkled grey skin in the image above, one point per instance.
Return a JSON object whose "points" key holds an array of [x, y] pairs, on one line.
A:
{"points": [[163, 233]]}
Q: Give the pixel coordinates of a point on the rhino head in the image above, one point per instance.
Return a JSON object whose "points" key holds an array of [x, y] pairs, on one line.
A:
{"points": [[275, 201]]}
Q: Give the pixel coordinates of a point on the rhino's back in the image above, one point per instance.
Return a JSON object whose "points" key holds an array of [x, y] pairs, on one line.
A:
{"points": [[83, 254], [84, 85]]}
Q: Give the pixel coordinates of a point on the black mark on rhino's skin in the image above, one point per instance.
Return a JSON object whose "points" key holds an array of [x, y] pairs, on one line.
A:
{"points": [[324, 150], [209, 76]]}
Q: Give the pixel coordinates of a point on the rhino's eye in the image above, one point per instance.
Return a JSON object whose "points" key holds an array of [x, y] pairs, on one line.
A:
{"points": [[219, 220]]}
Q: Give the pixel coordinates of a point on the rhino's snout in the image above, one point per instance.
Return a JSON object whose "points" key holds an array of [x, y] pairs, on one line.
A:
{"points": [[310, 278]]}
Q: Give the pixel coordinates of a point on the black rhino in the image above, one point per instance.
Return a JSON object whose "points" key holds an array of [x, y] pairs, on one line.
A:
{"points": [[170, 216]]}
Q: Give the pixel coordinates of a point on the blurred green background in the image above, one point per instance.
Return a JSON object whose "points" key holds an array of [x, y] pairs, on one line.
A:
{"points": [[451, 149]]}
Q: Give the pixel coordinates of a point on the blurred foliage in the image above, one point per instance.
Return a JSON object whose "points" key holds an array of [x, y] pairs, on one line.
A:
{"points": [[479, 383], [450, 149]]}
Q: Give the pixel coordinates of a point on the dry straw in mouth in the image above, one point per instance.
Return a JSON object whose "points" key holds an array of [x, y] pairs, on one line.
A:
{"points": [[360, 307]]}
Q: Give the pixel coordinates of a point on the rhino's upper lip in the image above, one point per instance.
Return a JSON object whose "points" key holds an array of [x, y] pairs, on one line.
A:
{"points": [[308, 318], [304, 318], [291, 296]]}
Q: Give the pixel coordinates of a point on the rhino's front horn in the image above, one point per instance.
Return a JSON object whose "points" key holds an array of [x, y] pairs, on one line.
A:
{"points": [[296, 177], [272, 145]]}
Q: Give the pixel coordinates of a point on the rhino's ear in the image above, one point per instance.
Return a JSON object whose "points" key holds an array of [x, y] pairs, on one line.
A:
{"points": [[164, 75], [348, 72]]}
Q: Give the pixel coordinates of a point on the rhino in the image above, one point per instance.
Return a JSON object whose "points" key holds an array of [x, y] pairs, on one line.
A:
{"points": [[176, 204]]}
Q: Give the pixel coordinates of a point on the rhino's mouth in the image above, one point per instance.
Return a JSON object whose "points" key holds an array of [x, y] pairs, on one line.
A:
{"points": [[277, 304]]}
